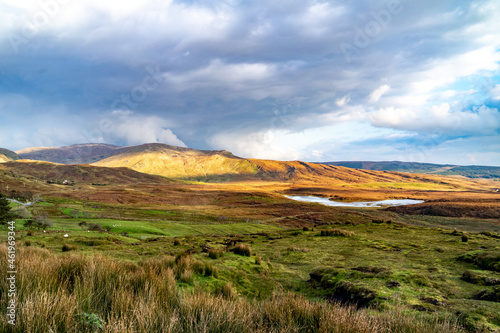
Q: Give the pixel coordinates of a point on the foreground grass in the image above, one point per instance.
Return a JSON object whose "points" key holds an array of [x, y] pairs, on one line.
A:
{"points": [[74, 293]]}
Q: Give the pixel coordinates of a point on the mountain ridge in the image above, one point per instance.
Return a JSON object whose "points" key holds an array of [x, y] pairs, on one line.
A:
{"points": [[190, 164], [8, 155], [470, 171]]}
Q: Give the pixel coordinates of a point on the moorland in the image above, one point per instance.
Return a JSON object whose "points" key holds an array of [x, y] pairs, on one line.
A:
{"points": [[159, 238]]}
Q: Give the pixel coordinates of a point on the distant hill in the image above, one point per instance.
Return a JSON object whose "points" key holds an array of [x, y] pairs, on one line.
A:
{"points": [[209, 165], [179, 162], [213, 165], [472, 171], [7, 155], [77, 174], [74, 154]]}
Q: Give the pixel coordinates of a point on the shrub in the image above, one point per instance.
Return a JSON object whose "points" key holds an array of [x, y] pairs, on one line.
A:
{"points": [[67, 248], [258, 260], [177, 242], [38, 222], [226, 290], [305, 229], [198, 267], [23, 213], [242, 250], [95, 227], [211, 270], [465, 238], [337, 232], [215, 254], [90, 322], [27, 243]]}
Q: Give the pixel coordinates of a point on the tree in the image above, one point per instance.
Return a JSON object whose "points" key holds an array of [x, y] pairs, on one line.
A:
{"points": [[5, 213], [38, 222]]}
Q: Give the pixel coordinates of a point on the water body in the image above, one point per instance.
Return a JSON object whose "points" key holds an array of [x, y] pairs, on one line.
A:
{"points": [[383, 203]]}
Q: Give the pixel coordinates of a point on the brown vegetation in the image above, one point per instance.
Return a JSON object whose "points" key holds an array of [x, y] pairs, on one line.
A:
{"points": [[78, 294]]}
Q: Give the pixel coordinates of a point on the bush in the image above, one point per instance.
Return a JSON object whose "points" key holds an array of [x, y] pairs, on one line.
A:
{"points": [[465, 238], [90, 322], [67, 248], [242, 250], [198, 267], [215, 254], [226, 290], [337, 232], [211, 270], [38, 222], [258, 260], [177, 242], [23, 213], [27, 243], [95, 227]]}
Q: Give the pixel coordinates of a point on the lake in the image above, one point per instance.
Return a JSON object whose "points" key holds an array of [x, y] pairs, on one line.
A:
{"points": [[383, 203]]}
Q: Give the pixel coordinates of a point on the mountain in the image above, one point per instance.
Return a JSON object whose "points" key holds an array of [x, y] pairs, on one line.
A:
{"points": [[179, 162], [7, 155], [217, 165], [471, 171], [74, 154], [61, 174], [209, 165]]}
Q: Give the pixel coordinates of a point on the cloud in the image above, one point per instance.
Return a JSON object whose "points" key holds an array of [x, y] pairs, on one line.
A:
{"points": [[340, 102], [495, 93], [440, 118], [378, 93], [129, 129], [265, 79]]}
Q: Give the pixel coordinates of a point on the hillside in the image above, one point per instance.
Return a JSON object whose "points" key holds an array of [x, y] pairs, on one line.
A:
{"points": [[471, 171], [46, 172], [74, 154], [7, 155], [178, 162], [191, 164]]}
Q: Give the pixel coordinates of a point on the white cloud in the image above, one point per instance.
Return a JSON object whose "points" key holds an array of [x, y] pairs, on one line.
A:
{"points": [[124, 126], [495, 93], [263, 144], [343, 100], [252, 80], [480, 121], [378, 93]]}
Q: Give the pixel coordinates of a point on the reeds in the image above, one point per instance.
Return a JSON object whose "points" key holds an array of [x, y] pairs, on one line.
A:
{"points": [[74, 293]]}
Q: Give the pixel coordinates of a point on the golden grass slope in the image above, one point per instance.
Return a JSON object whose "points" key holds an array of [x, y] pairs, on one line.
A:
{"points": [[178, 162], [191, 164]]}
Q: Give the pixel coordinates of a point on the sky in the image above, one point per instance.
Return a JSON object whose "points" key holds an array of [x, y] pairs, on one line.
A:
{"points": [[413, 81]]}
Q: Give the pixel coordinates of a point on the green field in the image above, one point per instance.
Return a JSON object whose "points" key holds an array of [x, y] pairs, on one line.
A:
{"points": [[382, 261]]}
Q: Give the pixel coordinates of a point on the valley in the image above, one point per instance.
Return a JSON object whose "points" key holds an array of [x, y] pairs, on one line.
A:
{"points": [[221, 230]]}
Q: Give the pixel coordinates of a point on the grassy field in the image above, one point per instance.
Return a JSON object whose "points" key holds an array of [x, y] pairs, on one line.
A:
{"points": [[240, 257]]}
